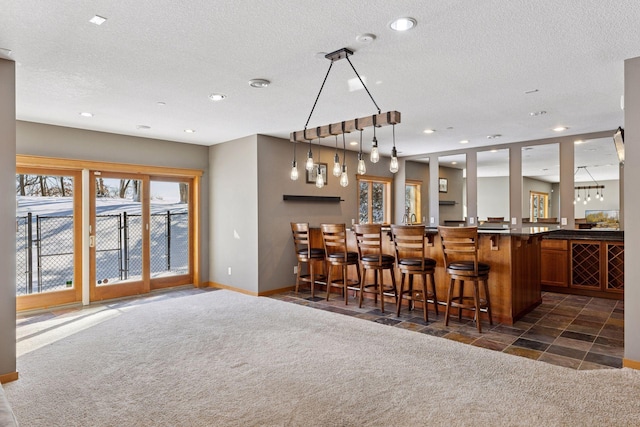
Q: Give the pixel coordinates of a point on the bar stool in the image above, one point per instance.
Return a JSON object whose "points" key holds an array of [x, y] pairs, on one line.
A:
{"points": [[334, 237], [411, 259], [460, 250], [369, 239], [306, 255]]}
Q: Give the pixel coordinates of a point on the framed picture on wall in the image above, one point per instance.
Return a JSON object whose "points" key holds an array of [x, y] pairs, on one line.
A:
{"points": [[443, 185], [313, 173]]}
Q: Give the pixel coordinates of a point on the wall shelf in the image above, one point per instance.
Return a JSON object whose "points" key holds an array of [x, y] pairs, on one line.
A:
{"points": [[322, 199]]}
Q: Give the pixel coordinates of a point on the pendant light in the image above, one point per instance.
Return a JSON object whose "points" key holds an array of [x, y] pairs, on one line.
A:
{"points": [[337, 169], [344, 179], [362, 168], [309, 164], [294, 165], [375, 155], [319, 177], [393, 167]]}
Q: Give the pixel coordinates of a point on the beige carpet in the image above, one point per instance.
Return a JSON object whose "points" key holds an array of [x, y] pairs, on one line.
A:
{"points": [[226, 359]]}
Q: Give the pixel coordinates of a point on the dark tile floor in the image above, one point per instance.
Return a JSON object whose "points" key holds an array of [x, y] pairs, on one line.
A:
{"points": [[567, 330]]}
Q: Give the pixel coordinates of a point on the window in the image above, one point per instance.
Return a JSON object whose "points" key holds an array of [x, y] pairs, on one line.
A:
{"points": [[412, 202], [374, 194]]}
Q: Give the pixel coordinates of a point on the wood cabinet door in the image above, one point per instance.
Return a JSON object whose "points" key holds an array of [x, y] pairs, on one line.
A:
{"points": [[554, 268]]}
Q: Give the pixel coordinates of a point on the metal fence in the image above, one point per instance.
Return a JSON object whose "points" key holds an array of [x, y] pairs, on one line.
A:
{"points": [[44, 259]]}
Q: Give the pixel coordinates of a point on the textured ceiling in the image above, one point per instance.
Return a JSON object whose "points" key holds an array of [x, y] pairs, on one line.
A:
{"points": [[463, 70]]}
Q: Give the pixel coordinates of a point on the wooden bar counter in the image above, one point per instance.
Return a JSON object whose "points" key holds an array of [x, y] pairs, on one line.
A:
{"points": [[514, 257]]}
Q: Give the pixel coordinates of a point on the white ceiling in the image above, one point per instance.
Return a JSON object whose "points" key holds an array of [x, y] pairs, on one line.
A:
{"points": [[462, 71]]}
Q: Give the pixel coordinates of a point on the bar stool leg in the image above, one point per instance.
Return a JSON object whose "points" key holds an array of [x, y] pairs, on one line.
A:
{"points": [[435, 297], [424, 298], [298, 276], [476, 302], [452, 283], [399, 300], [380, 285], [393, 283], [329, 278], [364, 276], [486, 293], [312, 277], [344, 284], [461, 296]]}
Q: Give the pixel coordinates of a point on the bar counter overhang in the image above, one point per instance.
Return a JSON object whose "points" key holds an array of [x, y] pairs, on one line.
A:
{"points": [[514, 257]]}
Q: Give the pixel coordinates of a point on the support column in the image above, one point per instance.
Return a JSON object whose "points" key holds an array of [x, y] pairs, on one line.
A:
{"points": [[7, 220], [631, 209]]}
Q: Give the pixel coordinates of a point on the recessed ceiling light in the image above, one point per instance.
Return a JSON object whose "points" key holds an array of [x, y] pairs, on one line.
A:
{"points": [[161, 103], [365, 38], [98, 20], [403, 24], [429, 130], [494, 136], [578, 141], [190, 131], [560, 128], [454, 163], [464, 141], [537, 113], [259, 83], [143, 127], [353, 143], [86, 114], [217, 96]]}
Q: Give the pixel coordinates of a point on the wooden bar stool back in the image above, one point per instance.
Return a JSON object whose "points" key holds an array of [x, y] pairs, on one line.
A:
{"points": [[369, 239], [409, 243], [306, 254], [337, 255], [460, 251]]}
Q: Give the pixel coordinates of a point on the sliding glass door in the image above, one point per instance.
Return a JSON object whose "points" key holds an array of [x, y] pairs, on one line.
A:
{"points": [[119, 235]]}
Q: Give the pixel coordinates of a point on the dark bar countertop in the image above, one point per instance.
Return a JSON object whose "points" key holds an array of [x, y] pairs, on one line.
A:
{"points": [[608, 235]]}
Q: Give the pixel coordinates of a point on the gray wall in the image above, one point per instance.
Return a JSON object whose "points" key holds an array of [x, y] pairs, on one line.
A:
{"points": [[7, 217], [248, 178], [632, 207], [69, 143], [233, 213], [493, 197]]}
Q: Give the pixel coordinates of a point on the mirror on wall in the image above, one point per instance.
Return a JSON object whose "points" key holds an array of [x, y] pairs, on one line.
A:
{"points": [[452, 189], [596, 184], [493, 188], [541, 184], [417, 190]]}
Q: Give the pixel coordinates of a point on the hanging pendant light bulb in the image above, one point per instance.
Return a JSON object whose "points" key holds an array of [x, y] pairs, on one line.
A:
{"points": [[309, 164], [362, 167], [574, 201], [602, 195], [344, 179], [337, 169], [319, 177], [588, 195], [578, 198], [393, 166], [375, 155], [294, 165]]}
